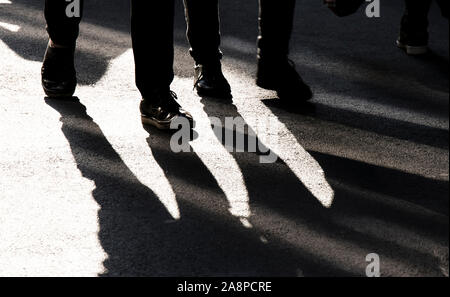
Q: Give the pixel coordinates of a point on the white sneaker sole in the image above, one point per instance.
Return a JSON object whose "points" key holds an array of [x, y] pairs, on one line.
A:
{"points": [[413, 50]]}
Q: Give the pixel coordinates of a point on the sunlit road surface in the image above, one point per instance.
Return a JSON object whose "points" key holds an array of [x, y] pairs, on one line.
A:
{"points": [[85, 190]]}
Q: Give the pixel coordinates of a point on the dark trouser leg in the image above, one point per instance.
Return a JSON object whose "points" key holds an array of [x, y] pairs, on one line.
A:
{"points": [[63, 30], [275, 72], [152, 38], [275, 28], [203, 33], [415, 20]]}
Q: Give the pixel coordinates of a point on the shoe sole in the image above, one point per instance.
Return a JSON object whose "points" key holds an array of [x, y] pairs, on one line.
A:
{"points": [[152, 122], [268, 86], [52, 94], [58, 95], [158, 124], [214, 94], [412, 50]]}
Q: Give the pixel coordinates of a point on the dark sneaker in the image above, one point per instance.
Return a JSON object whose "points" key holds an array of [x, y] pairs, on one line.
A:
{"points": [[210, 81], [162, 109], [58, 72], [284, 79]]}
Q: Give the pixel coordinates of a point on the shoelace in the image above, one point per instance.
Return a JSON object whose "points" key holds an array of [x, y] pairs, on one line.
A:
{"points": [[330, 3], [200, 77], [173, 95], [197, 81]]}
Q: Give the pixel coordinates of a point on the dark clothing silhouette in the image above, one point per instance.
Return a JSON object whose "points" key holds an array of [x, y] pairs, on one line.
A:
{"points": [[275, 26], [152, 24], [203, 30], [276, 19], [415, 18]]}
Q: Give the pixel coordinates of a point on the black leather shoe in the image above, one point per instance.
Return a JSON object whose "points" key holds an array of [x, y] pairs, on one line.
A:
{"points": [[282, 77], [58, 72], [210, 81], [161, 109]]}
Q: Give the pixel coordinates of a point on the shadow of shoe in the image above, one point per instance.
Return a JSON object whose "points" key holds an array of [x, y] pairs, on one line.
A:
{"points": [[301, 108]]}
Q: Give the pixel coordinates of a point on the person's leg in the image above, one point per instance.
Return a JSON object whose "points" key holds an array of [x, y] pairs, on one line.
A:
{"points": [[58, 69], [275, 71], [203, 33], [152, 24], [414, 27], [62, 28]]}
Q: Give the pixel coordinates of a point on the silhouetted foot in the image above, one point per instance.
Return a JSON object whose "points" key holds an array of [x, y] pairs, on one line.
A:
{"points": [[414, 35], [413, 44], [58, 72], [161, 110], [282, 77], [210, 81]]}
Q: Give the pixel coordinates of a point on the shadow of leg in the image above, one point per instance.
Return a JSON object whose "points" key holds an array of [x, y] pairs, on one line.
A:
{"points": [[131, 218], [216, 241]]}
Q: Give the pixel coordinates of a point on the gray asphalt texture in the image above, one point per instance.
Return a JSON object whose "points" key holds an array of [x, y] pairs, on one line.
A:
{"points": [[85, 190]]}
